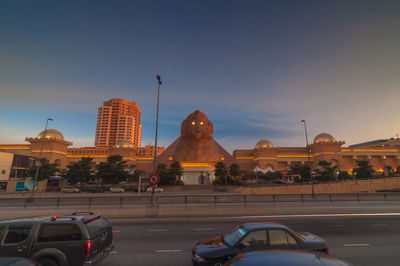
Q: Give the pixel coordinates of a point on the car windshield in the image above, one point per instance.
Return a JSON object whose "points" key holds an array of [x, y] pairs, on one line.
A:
{"points": [[233, 236]]}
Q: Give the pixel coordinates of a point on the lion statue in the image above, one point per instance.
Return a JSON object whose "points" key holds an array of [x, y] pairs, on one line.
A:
{"points": [[196, 142]]}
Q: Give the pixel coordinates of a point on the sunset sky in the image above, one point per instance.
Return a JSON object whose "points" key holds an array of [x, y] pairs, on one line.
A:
{"points": [[255, 68]]}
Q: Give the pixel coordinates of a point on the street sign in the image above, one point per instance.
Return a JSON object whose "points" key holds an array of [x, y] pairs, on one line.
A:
{"points": [[154, 179]]}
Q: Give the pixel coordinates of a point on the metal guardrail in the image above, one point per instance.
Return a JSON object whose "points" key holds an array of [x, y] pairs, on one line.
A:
{"points": [[195, 199]]}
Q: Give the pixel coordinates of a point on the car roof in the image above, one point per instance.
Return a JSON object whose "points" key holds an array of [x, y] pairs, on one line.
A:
{"points": [[77, 216], [263, 225]]}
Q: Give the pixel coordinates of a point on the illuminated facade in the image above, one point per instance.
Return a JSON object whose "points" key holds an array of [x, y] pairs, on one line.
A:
{"points": [[198, 152], [55, 148], [117, 120], [148, 151], [265, 156]]}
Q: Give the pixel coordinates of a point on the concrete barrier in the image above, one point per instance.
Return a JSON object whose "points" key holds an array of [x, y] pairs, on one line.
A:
{"points": [[209, 210], [371, 185]]}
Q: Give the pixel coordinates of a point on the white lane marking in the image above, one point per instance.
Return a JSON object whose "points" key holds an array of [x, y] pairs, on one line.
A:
{"points": [[380, 224], [203, 229], [156, 230], [168, 250], [114, 252], [357, 245], [313, 215], [263, 216], [117, 231]]}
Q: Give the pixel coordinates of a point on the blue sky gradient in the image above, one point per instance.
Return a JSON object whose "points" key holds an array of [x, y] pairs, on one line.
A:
{"points": [[255, 68]]}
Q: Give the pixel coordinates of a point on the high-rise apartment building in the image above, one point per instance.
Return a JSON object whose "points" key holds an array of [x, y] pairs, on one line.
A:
{"points": [[118, 119]]}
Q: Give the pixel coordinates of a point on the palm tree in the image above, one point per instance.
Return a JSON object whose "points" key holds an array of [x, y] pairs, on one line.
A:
{"points": [[80, 171], [46, 169], [363, 170], [113, 170], [176, 171], [303, 170], [234, 171], [220, 173], [328, 171]]}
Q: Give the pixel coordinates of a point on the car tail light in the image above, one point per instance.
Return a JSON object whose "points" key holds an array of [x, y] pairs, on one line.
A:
{"points": [[326, 251], [87, 247], [54, 218]]}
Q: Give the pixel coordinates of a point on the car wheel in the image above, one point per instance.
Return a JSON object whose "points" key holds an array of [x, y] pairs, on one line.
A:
{"points": [[48, 262], [217, 263]]}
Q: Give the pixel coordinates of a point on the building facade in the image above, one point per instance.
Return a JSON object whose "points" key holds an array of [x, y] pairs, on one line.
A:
{"points": [[117, 120], [52, 145], [264, 156], [198, 152]]}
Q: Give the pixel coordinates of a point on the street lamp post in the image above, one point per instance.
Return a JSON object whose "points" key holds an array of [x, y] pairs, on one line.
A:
{"points": [[40, 156], [308, 157], [155, 141]]}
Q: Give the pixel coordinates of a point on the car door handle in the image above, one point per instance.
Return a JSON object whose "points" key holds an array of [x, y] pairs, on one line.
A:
{"points": [[21, 248]]}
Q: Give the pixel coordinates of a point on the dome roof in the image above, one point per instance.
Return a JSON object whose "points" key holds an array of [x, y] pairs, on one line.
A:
{"points": [[324, 137], [264, 144], [51, 134], [124, 143]]}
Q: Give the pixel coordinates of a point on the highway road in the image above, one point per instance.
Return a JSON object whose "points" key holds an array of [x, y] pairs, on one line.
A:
{"points": [[372, 239]]}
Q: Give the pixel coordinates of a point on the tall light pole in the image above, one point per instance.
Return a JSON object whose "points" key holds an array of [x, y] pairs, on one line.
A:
{"points": [[40, 156], [308, 157], [155, 141]]}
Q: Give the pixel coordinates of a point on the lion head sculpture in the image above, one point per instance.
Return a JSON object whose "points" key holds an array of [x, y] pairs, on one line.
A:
{"points": [[196, 142], [196, 127]]}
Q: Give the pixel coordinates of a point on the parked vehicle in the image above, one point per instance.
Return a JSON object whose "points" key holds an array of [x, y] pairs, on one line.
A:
{"points": [[253, 236], [70, 240], [70, 189], [17, 261], [117, 190], [285, 258], [156, 189]]}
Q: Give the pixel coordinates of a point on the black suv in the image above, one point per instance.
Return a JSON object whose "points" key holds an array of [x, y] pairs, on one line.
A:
{"points": [[68, 240]]}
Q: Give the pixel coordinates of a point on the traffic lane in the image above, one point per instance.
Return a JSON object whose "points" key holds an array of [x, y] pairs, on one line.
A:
{"points": [[368, 256], [148, 259], [160, 234], [316, 225], [170, 243]]}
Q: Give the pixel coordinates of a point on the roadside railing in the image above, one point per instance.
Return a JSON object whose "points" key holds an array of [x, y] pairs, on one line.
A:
{"points": [[194, 199]]}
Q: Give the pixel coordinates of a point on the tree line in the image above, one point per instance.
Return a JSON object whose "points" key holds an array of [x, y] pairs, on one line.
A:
{"points": [[115, 170]]}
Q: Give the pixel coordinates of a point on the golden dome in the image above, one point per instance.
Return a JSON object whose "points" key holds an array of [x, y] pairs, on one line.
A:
{"points": [[124, 143], [264, 144], [324, 137], [51, 134]]}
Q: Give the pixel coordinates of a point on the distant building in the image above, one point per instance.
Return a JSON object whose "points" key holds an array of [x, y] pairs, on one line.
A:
{"points": [[379, 143], [148, 151], [56, 149], [117, 120], [6, 159], [264, 156], [14, 165], [197, 152]]}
